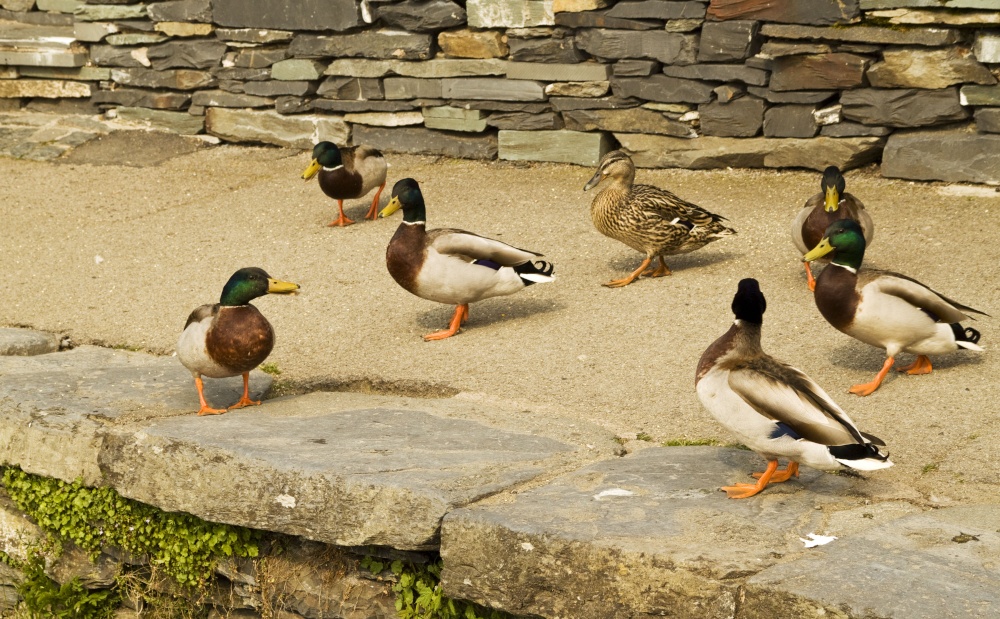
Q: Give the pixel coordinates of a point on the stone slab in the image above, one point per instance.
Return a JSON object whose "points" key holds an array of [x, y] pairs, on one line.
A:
{"points": [[932, 37], [53, 407], [729, 41], [934, 4], [790, 121], [814, 12], [549, 72], [956, 156], [663, 89], [351, 88], [336, 15], [577, 89], [925, 17], [646, 535], [575, 6], [26, 342], [544, 49], [988, 120], [902, 107], [397, 88], [601, 19], [262, 57], [181, 11], [979, 95], [847, 129], [932, 69], [658, 9], [177, 122], [946, 555], [454, 119], [987, 45], [719, 73], [83, 74], [491, 88], [705, 153], [434, 68], [473, 44], [46, 89], [269, 127], [254, 35], [297, 69], [386, 119], [421, 15], [577, 147], [667, 47], [633, 120], [137, 97], [509, 13], [423, 141], [524, 121], [305, 467], [178, 79], [818, 72], [109, 12], [388, 44], [59, 57], [193, 54], [183, 29], [741, 117]]}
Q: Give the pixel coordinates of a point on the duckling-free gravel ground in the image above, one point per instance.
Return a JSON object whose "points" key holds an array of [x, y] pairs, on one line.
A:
{"points": [[120, 254]]}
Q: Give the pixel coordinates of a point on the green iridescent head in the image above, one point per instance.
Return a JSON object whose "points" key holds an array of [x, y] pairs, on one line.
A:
{"points": [[845, 241], [249, 283], [406, 195]]}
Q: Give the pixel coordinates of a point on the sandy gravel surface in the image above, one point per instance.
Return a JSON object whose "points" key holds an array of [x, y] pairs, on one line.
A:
{"points": [[120, 255]]}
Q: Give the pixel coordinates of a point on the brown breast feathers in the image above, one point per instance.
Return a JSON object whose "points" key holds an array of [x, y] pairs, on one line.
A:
{"points": [[405, 255], [837, 296], [240, 339]]}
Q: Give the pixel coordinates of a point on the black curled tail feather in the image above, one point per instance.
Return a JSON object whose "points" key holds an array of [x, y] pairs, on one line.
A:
{"points": [[857, 451], [538, 267], [965, 334]]}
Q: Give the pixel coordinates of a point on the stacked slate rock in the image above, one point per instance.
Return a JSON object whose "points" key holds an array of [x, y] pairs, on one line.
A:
{"points": [[687, 83]]}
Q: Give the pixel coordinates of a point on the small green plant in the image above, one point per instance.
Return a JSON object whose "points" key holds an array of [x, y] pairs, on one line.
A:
{"points": [[684, 442], [642, 436], [44, 598], [930, 468], [270, 368]]}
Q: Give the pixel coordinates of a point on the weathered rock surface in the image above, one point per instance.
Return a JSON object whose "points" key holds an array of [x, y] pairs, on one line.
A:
{"points": [[27, 342], [903, 107], [704, 153], [177, 79], [635, 68], [560, 146], [421, 15], [523, 121], [177, 122], [988, 120], [473, 44], [554, 48], [366, 44], [181, 11], [629, 120], [356, 88], [667, 47], [741, 118], [48, 89], [260, 57], [418, 140], [956, 156], [269, 127], [490, 88], [816, 12], [136, 97], [846, 129], [818, 72], [302, 15], [443, 67], [454, 119], [663, 89], [979, 95], [719, 73], [917, 68], [729, 41], [790, 121], [203, 54], [578, 89], [509, 13], [549, 72], [932, 37], [658, 9], [987, 46]]}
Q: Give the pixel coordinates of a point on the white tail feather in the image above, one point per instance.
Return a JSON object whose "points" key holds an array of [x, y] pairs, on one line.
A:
{"points": [[538, 278], [867, 464], [970, 345]]}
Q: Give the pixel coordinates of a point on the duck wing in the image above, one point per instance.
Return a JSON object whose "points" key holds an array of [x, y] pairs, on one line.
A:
{"points": [[793, 400], [472, 247], [915, 293], [201, 313], [670, 207]]}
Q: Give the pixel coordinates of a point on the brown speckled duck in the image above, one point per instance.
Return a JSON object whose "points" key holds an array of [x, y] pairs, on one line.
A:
{"points": [[831, 204], [648, 219], [348, 173], [453, 266]]}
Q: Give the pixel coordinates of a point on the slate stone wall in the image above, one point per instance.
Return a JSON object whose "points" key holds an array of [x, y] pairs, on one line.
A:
{"points": [[691, 83]]}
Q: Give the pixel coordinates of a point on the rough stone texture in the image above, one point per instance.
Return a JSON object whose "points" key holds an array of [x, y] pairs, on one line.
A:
{"points": [[111, 56], [922, 17], [411, 88], [242, 74], [728, 41], [652, 151], [355, 88], [547, 49], [203, 54], [792, 96], [818, 12], [273, 128], [656, 516], [283, 104], [108, 12], [938, 68], [278, 88], [979, 95], [578, 89], [421, 15], [181, 11], [790, 121], [613, 102], [17, 5], [495, 89], [27, 342], [68, 57], [932, 37], [575, 6], [261, 57], [427, 69], [178, 122], [728, 92], [504, 106], [601, 19], [178, 79], [509, 13], [136, 38], [560, 146], [667, 47], [183, 29], [902, 108], [366, 44], [523, 121], [454, 119], [856, 576], [987, 46], [719, 73], [54, 428], [219, 98], [774, 49], [658, 9], [47, 89], [92, 31], [142, 98], [385, 119], [73, 563], [547, 72], [473, 44], [297, 69], [741, 118], [635, 68], [960, 156], [951, 4], [301, 15], [850, 130], [254, 35], [663, 89], [428, 141], [988, 120], [818, 72], [639, 120]]}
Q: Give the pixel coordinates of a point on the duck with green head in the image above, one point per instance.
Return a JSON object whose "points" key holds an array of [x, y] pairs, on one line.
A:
{"points": [[453, 266], [830, 205], [230, 337], [348, 173], [886, 309]]}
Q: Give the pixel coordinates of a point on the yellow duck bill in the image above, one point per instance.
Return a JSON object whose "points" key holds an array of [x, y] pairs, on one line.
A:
{"points": [[314, 167], [821, 249], [276, 286], [393, 206]]}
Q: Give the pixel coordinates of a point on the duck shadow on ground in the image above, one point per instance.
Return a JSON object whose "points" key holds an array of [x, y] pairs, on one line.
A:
{"points": [[629, 262], [488, 312], [864, 358]]}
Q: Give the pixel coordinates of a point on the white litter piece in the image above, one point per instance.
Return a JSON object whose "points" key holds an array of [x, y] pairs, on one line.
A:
{"points": [[98, 260], [612, 492], [817, 540]]}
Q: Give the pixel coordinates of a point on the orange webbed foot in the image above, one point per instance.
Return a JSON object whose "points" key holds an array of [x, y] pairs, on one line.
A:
{"points": [[341, 222], [922, 365], [780, 475], [869, 388], [743, 491], [460, 316], [810, 280], [244, 401], [208, 410]]}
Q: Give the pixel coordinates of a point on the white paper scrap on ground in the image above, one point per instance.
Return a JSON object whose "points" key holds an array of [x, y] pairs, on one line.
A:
{"points": [[613, 492], [817, 540]]}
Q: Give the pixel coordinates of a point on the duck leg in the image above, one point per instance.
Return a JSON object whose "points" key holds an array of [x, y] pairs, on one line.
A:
{"points": [[921, 366], [342, 220], [625, 281], [869, 388], [743, 491], [461, 314], [205, 408], [373, 211], [790, 470], [809, 277], [659, 271], [245, 400]]}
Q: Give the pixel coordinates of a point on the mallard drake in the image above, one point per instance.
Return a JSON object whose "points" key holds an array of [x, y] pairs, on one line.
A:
{"points": [[346, 174], [886, 309], [230, 337], [773, 408], [453, 266], [831, 204], [648, 219]]}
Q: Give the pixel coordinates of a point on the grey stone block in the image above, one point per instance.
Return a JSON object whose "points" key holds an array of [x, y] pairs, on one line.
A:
{"points": [[663, 89], [601, 19], [934, 4], [354, 88], [931, 69], [242, 74], [489, 88], [903, 107], [254, 35], [203, 54], [635, 68], [728, 92], [558, 146], [420, 141], [295, 69], [133, 97], [658, 9], [719, 73], [389, 44], [740, 118], [502, 106], [956, 156], [523, 121], [269, 127], [437, 67], [454, 119], [548, 72], [931, 37], [334, 105], [818, 12], [509, 13], [277, 88], [219, 98], [412, 88], [555, 49], [84, 74], [988, 120], [775, 49], [790, 121], [729, 40], [667, 47], [818, 72], [177, 79], [987, 47], [614, 102], [634, 120], [27, 342], [846, 129], [181, 11], [111, 56], [792, 96], [979, 95], [109, 12], [260, 57], [177, 122], [421, 15], [336, 15]]}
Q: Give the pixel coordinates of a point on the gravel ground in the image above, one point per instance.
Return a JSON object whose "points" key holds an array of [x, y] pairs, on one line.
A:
{"points": [[120, 254]]}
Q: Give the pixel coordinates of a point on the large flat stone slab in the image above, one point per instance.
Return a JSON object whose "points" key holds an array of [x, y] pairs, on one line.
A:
{"points": [[55, 407], [269, 127], [646, 535], [305, 466], [960, 156], [926, 566], [27, 342]]}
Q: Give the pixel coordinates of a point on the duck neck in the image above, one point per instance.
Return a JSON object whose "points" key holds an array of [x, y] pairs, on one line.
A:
{"points": [[415, 213]]}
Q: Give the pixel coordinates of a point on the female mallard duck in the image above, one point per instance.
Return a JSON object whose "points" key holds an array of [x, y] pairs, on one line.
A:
{"points": [[453, 266], [230, 337], [648, 219], [885, 309], [346, 174], [829, 205], [773, 408]]}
